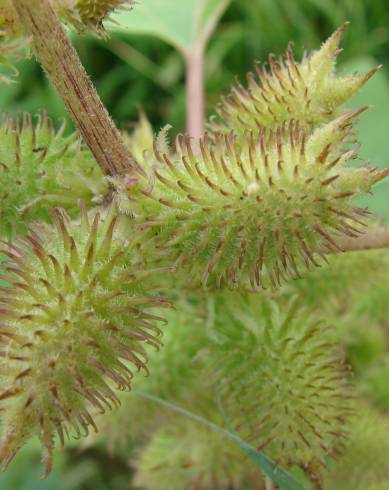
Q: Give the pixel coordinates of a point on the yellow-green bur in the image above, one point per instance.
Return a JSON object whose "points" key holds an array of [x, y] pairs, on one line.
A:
{"points": [[282, 381], [309, 92], [41, 168], [83, 15], [249, 213], [75, 322], [89, 15]]}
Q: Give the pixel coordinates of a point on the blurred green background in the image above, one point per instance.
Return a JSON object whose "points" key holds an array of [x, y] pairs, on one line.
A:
{"points": [[142, 71]]}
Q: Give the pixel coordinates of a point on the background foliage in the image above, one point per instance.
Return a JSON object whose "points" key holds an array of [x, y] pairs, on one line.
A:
{"points": [[139, 70]]}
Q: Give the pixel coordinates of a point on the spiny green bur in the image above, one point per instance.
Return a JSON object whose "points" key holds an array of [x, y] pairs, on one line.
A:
{"points": [[83, 15], [309, 92], [262, 197], [282, 381], [365, 464], [88, 15], [251, 212], [184, 455], [39, 168], [74, 325]]}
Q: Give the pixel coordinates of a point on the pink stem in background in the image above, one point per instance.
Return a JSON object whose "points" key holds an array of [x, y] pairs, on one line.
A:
{"points": [[195, 92]]}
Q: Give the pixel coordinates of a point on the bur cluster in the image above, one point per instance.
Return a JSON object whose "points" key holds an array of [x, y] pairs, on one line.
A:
{"points": [[246, 225], [252, 205]]}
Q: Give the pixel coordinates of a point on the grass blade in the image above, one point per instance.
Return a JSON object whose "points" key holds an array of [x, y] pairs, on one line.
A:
{"points": [[284, 480]]}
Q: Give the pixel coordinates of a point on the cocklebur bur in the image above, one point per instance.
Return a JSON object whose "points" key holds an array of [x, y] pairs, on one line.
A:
{"points": [[243, 208], [309, 92], [282, 380], [250, 212], [89, 15], [41, 168], [74, 325], [83, 15]]}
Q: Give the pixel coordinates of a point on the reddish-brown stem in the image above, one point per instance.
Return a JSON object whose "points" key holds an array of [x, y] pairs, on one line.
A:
{"points": [[373, 238], [195, 92], [64, 69]]}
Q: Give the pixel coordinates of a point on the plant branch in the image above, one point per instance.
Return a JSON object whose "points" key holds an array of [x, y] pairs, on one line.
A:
{"points": [[64, 69], [195, 114], [375, 237]]}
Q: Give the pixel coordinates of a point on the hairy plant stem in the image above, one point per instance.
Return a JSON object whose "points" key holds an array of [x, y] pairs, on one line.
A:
{"points": [[373, 238], [64, 69], [195, 116]]}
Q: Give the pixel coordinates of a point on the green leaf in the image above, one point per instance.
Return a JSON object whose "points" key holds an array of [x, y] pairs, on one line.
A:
{"points": [[185, 24], [284, 480]]}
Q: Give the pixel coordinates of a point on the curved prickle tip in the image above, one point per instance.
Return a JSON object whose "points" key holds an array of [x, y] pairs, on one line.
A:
{"points": [[371, 73], [329, 48], [7, 453], [380, 175], [47, 459]]}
